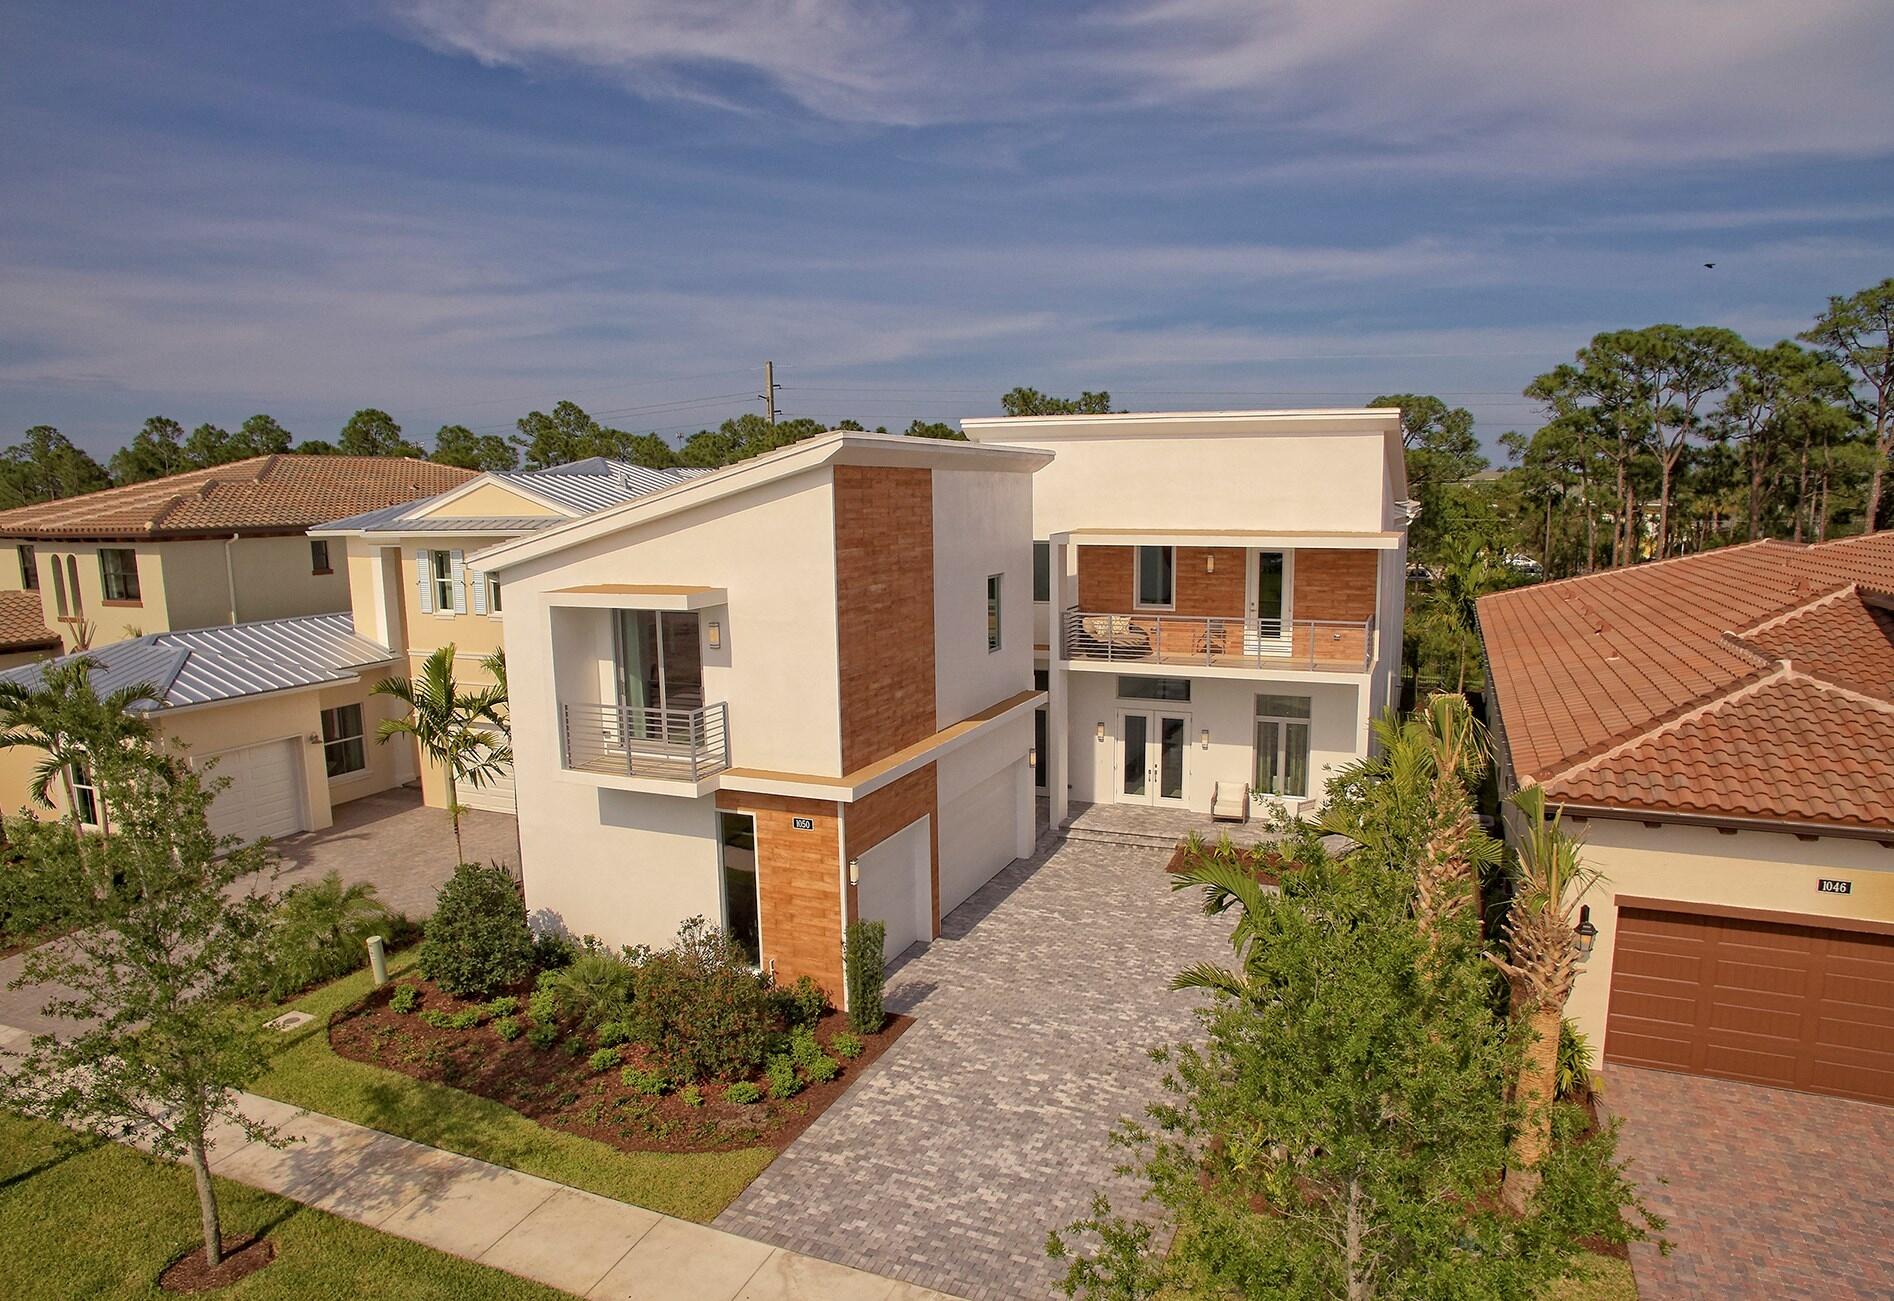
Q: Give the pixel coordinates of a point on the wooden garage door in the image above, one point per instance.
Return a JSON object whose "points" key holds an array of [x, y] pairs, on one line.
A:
{"points": [[1798, 1006]]}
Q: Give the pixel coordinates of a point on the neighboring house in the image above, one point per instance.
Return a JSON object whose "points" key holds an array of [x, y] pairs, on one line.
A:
{"points": [[1219, 599], [281, 709], [1720, 730], [24, 636], [782, 696], [219, 546], [412, 589]]}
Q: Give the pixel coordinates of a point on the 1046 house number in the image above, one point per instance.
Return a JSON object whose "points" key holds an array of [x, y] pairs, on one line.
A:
{"points": [[1829, 885]]}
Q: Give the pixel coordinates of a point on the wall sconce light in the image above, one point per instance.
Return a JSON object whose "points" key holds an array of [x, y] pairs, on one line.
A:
{"points": [[1101, 731], [1587, 933], [1210, 562], [854, 871], [716, 635], [1205, 736], [1032, 757]]}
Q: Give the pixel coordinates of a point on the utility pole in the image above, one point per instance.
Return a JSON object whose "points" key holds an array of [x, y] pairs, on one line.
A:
{"points": [[769, 389]]}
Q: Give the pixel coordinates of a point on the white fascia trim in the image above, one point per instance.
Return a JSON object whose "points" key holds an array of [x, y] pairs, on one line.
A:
{"points": [[1258, 541], [1084, 425], [1286, 673]]}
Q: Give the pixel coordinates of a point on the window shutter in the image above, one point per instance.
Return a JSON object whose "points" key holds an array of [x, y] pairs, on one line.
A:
{"points": [[478, 581], [424, 576], [459, 572]]}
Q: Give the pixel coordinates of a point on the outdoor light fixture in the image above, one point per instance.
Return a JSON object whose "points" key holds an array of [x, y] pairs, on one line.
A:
{"points": [[1206, 738], [1101, 731], [716, 635], [1032, 757], [854, 871], [1587, 933], [1210, 562]]}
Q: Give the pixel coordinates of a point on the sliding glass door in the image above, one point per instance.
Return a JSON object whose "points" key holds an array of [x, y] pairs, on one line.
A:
{"points": [[658, 667]]}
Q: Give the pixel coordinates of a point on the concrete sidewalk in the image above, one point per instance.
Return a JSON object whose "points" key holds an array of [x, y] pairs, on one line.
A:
{"points": [[576, 1241]]}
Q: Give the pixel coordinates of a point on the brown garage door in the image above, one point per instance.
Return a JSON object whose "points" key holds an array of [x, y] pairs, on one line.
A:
{"points": [[1802, 1007]]}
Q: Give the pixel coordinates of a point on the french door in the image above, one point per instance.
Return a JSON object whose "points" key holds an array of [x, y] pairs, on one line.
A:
{"points": [[1153, 753], [1267, 630]]}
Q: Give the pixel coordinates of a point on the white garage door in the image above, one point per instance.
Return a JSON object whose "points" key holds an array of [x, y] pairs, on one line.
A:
{"points": [[264, 797], [979, 831], [895, 888], [495, 794]]}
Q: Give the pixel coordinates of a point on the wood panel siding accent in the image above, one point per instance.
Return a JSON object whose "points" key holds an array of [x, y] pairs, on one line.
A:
{"points": [[798, 879], [884, 609], [1216, 595], [876, 816], [1104, 578], [1334, 584]]}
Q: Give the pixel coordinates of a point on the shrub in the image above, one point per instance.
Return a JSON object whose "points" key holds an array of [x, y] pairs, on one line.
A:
{"points": [[553, 951], [605, 1059], [613, 1033], [743, 1093], [438, 1019], [594, 989], [508, 1028], [802, 1003], [543, 1034], [506, 1005], [543, 1003], [691, 1096], [477, 942], [1572, 1076], [40, 876], [639, 1080], [573, 1048], [701, 1008], [320, 931], [846, 1045], [821, 1069], [803, 1049], [780, 1075], [866, 974], [405, 999], [466, 1018]]}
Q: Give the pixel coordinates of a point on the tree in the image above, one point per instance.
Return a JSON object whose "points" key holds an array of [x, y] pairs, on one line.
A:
{"points": [[154, 1044], [459, 445], [260, 435], [1541, 963], [744, 436], [450, 725], [1441, 451], [567, 434], [1858, 330], [1031, 402], [1772, 412], [933, 429], [156, 450], [316, 447], [370, 432], [45, 466], [64, 716]]}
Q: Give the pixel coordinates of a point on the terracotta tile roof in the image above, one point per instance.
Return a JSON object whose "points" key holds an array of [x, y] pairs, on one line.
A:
{"points": [[1583, 668], [262, 494], [23, 623]]}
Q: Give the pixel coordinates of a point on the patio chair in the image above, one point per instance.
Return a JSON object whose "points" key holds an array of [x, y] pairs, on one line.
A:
{"points": [[1230, 802], [1116, 632]]}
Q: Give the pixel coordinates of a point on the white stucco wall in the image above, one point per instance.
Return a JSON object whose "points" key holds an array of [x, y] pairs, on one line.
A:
{"points": [[982, 526]]}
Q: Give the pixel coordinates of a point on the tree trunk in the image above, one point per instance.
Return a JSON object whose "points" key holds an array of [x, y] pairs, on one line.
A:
{"points": [[1352, 1233], [453, 814], [1755, 496], [207, 1204], [1538, 1075], [1666, 464]]}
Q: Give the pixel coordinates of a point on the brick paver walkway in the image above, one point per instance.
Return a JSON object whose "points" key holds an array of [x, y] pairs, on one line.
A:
{"points": [[987, 1124], [1769, 1193]]}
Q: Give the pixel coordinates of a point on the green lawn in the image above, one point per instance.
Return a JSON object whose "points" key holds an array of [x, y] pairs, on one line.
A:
{"points": [[307, 1073], [82, 1220], [1601, 1279]]}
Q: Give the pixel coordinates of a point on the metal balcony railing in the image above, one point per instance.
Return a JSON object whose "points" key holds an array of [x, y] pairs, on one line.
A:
{"points": [[631, 741], [1337, 645]]}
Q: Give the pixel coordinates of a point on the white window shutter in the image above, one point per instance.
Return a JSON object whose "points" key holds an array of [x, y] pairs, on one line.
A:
{"points": [[460, 581], [478, 581], [424, 575]]}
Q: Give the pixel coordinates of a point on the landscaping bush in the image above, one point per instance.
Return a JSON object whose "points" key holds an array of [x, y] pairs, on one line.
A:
{"points": [[847, 1046], [701, 1008], [320, 931], [543, 1034], [553, 952], [802, 1003], [605, 1059], [573, 1047], [405, 999], [508, 1028], [743, 1093], [866, 974], [438, 1019], [477, 942], [613, 1033], [1572, 1077], [594, 989], [505, 1005], [39, 875], [781, 1077], [803, 1048], [646, 1082], [821, 1069]]}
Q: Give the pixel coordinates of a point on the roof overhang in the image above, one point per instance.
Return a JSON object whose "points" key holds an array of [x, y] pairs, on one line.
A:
{"points": [[1230, 424], [1307, 540], [1723, 821], [639, 596]]}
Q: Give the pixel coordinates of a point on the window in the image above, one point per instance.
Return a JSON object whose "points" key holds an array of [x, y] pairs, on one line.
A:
{"points": [[118, 573], [29, 569], [342, 749], [1282, 745], [736, 835], [1157, 573], [1173, 689], [992, 612], [319, 556], [85, 795], [1042, 571], [72, 587], [59, 588], [441, 574], [493, 594]]}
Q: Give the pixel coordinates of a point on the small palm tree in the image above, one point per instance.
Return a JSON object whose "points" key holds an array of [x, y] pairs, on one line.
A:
{"points": [[1541, 964], [453, 727], [1466, 576], [1227, 882], [65, 716], [320, 929]]}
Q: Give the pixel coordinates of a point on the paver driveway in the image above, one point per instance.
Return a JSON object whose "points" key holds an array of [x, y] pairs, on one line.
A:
{"points": [[1769, 1193], [987, 1124]]}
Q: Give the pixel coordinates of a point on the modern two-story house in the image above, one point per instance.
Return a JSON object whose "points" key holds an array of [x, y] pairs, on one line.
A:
{"points": [[1218, 600], [782, 696]]}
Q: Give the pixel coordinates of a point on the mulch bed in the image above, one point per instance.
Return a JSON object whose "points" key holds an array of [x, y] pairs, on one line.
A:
{"points": [[559, 1089], [242, 1258], [1264, 864]]}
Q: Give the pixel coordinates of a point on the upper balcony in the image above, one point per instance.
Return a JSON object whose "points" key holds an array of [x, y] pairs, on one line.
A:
{"points": [[632, 741], [1322, 645]]}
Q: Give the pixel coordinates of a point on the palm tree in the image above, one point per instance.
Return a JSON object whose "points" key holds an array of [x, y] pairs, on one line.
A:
{"points": [[1542, 945], [65, 716], [1466, 575], [450, 725]]}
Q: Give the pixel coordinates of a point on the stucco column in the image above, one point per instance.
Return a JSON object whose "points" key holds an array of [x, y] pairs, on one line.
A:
{"points": [[1058, 729]]}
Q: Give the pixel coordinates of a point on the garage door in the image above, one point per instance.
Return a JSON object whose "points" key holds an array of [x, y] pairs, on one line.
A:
{"points": [[264, 797], [896, 888], [979, 831], [1797, 1006], [494, 795]]}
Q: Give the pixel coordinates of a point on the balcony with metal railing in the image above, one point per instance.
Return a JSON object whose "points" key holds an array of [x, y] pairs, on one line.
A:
{"points": [[682, 745], [1270, 645]]}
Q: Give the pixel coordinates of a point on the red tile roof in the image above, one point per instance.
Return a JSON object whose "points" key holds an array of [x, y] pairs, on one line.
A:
{"points": [[1754, 681], [264, 494], [23, 623]]}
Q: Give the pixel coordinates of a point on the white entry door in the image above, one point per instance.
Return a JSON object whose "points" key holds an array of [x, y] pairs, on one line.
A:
{"points": [[1268, 630], [264, 797], [1153, 757]]}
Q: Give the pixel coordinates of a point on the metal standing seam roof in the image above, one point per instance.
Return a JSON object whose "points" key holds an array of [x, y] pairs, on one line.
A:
{"points": [[583, 486], [207, 665]]}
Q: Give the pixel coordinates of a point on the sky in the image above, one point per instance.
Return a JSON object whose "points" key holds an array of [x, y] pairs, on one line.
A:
{"points": [[460, 210]]}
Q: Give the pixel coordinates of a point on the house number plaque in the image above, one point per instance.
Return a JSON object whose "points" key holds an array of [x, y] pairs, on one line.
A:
{"points": [[808, 824], [1829, 885]]}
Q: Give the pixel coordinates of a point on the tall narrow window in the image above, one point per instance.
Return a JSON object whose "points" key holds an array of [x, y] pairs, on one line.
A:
{"points": [[29, 569], [1157, 576], [319, 556], [72, 587], [118, 573], [993, 612], [1282, 745], [1042, 571], [342, 749], [85, 795], [59, 588], [493, 595], [441, 574], [742, 917]]}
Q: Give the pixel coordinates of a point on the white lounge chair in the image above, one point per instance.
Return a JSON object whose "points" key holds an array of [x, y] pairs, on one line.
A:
{"points": [[1230, 802]]}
